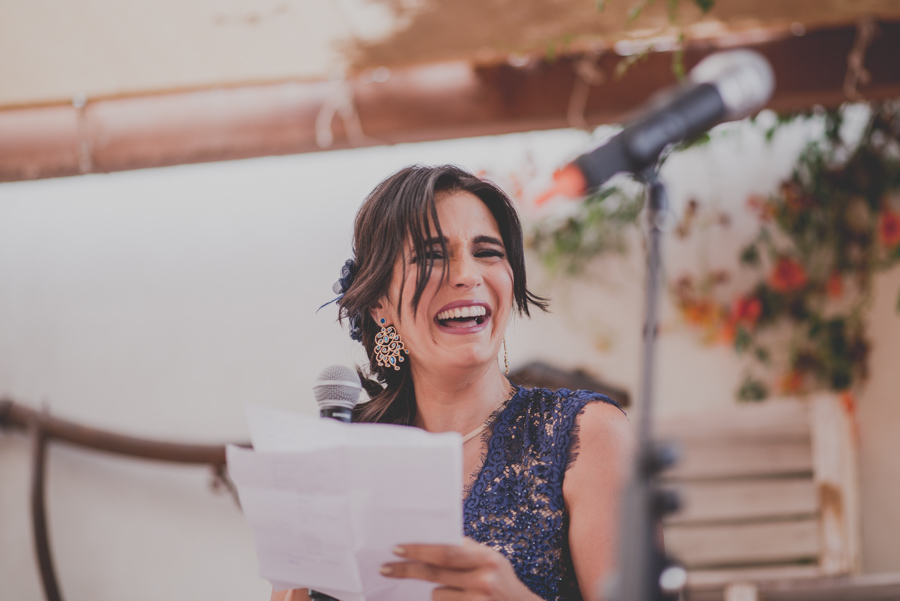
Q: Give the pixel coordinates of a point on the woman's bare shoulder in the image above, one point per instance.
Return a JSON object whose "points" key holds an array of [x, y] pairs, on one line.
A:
{"points": [[603, 426], [605, 445]]}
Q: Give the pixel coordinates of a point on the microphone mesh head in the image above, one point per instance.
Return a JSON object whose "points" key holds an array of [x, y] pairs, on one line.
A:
{"points": [[744, 79], [337, 386]]}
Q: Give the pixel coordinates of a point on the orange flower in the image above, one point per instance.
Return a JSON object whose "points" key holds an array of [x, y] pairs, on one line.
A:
{"points": [[889, 228], [848, 402], [747, 310], [794, 196], [761, 206], [728, 332], [790, 190], [835, 285], [788, 275], [700, 312], [792, 382]]}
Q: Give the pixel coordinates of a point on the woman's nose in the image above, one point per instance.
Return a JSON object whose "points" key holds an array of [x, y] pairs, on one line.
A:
{"points": [[464, 272]]}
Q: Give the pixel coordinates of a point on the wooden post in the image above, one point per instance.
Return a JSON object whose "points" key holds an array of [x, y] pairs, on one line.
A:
{"points": [[835, 473], [39, 513]]}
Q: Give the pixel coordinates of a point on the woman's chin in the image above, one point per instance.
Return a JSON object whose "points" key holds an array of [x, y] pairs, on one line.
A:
{"points": [[466, 357]]}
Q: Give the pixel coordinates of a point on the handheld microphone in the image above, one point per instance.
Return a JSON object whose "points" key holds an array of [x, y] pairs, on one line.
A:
{"points": [[337, 391], [725, 86]]}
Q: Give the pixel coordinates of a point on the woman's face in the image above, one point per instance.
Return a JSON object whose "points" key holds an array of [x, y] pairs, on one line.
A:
{"points": [[462, 318]]}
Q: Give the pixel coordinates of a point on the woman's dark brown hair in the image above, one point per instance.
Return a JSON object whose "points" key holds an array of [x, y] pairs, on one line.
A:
{"points": [[400, 209]]}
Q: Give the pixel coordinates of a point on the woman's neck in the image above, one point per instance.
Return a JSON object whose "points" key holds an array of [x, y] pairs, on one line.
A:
{"points": [[447, 402]]}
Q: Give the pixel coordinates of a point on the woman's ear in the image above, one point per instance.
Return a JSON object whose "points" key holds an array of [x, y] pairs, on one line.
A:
{"points": [[376, 312]]}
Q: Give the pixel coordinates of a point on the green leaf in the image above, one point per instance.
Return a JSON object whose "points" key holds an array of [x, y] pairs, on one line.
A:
{"points": [[550, 53], [752, 389], [742, 340], [750, 255], [672, 10], [841, 376], [635, 11], [705, 5], [678, 66], [695, 142], [763, 355], [898, 303], [627, 62]]}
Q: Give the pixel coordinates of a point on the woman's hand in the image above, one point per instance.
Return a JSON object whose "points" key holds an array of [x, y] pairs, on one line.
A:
{"points": [[297, 594], [468, 572]]}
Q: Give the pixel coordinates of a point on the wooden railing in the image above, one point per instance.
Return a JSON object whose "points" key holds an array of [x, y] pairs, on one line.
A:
{"points": [[43, 428]]}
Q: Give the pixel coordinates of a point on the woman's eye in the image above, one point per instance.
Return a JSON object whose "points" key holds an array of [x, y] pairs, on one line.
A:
{"points": [[430, 255], [489, 253]]}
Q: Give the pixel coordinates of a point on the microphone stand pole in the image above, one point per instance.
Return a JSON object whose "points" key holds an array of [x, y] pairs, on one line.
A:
{"points": [[640, 556]]}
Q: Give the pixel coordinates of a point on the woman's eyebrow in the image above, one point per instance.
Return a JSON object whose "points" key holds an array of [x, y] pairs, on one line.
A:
{"points": [[487, 240], [481, 239]]}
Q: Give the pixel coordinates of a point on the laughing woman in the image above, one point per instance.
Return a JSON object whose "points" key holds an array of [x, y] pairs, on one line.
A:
{"points": [[438, 271]]}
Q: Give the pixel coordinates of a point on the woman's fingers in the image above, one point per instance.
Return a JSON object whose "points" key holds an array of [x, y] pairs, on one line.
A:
{"points": [[423, 571], [467, 556], [443, 593], [456, 585], [468, 572]]}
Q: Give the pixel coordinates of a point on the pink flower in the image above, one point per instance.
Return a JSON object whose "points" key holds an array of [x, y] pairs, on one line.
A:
{"points": [[792, 382], [889, 228], [788, 275], [747, 310], [835, 285]]}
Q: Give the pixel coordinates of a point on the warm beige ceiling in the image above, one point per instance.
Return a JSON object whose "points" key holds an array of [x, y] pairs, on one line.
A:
{"points": [[54, 50], [486, 31]]}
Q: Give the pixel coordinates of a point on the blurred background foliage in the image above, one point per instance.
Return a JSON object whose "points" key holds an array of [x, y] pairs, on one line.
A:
{"points": [[820, 239]]}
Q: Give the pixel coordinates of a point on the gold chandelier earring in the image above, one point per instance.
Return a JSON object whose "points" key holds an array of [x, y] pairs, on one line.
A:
{"points": [[505, 358], [388, 347]]}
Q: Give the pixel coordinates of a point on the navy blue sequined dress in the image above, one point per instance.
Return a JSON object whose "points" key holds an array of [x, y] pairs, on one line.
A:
{"points": [[515, 504]]}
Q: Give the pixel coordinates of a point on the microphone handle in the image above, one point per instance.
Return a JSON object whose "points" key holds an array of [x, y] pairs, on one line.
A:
{"points": [[691, 111], [678, 116], [341, 414]]}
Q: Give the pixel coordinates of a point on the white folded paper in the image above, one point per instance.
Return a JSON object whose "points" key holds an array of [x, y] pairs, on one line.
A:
{"points": [[328, 501]]}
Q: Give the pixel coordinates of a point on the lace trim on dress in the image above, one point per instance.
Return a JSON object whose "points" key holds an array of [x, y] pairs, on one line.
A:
{"points": [[487, 429]]}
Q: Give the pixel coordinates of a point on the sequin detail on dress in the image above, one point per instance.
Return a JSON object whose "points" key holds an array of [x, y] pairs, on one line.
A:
{"points": [[515, 504]]}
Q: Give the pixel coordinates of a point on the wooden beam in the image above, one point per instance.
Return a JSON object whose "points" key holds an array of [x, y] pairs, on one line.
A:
{"points": [[20, 417], [415, 104], [763, 543]]}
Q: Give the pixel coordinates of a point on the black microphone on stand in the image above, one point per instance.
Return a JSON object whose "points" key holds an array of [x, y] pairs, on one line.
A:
{"points": [[725, 86], [337, 391], [722, 87]]}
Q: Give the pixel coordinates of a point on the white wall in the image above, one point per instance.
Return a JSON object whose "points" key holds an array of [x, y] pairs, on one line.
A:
{"points": [[161, 302]]}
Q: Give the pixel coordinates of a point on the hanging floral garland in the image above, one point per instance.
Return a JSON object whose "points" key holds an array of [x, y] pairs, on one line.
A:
{"points": [[822, 237]]}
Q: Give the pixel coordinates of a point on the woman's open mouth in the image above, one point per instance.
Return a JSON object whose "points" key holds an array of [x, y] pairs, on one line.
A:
{"points": [[463, 318]]}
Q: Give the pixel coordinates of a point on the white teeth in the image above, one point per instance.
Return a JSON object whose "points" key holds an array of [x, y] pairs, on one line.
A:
{"points": [[461, 312]]}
